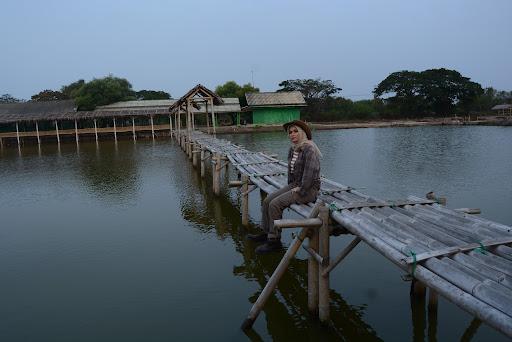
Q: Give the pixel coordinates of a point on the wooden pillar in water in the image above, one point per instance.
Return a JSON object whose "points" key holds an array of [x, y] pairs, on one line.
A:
{"points": [[133, 129], [216, 174], [170, 125], [245, 199], [76, 132], [323, 286], [203, 166], [195, 155], [115, 130], [18, 134], [213, 118], [313, 273], [152, 127], [57, 131], [37, 134], [95, 130]]}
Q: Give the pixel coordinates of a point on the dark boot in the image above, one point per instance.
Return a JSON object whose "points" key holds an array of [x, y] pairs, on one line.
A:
{"points": [[262, 237], [269, 247]]}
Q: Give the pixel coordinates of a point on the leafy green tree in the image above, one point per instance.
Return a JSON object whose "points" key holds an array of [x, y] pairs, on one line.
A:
{"points": [[8, 98], [232, 89], [103, 91], [49, 95], [152, 95], [71, 89], [439, 91], [311, 89]]}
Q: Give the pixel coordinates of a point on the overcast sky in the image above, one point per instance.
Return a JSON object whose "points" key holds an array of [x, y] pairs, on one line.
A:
{"points": [[173, 45]]}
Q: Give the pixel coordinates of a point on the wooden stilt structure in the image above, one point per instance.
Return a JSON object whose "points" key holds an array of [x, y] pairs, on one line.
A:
{"points": [[76, 132], [18, 134], [133, 129], [435, 245], [95, 130]]}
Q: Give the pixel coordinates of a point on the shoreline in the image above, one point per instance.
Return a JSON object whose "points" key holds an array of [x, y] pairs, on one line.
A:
{"points": [[368, 124]]}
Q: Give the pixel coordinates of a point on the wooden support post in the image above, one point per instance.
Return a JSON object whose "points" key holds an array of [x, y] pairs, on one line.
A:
{"points": [[133, 129], [18, 134], [323, 288], [432, 314], [207, 118], [213, 118], [152, 127], [216, 174], [95, 130], [245, 199], [203, 165], [279, 271], [37, 133], [76, 132], [313, 273], [115, 129], [170, 125], [417, 296], [195, 155], [57, 131]]}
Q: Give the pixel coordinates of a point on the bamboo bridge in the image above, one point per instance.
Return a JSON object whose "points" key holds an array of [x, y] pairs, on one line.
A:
{"points": [[462, 257]]}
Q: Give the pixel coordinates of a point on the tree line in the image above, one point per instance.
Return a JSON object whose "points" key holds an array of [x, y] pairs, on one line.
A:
{"points": [[402, 94]]}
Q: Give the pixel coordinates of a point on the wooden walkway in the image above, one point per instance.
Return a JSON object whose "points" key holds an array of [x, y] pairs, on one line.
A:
{"points": [[465, 258]]}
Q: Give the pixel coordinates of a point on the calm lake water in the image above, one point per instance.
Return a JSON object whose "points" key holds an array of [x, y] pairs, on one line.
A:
{"points": [[125, 242]]}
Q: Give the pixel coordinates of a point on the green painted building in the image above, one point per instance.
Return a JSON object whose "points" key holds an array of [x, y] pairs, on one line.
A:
{"points": [[274, 108]]}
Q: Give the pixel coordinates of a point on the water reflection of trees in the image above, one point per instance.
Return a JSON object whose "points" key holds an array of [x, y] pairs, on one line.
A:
{"points": [[109, 170], [286, 312]]}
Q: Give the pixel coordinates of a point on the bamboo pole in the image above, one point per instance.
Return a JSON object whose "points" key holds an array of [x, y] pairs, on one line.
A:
{"points": [[37, 133], [323, 287], [213, 118], [216, 174], [18, 134], [313, 273], [278, 273], [245, 199], [170, 125], [341, 256], [195, 155], [133, 129], [203, 164], [207, 118], [115, 129], [76, 132], [152, 127], [57, 131], [95, 130]]}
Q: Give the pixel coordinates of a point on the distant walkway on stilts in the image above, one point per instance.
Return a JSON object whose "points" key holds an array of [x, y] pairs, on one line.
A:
{"points": [[465, 258]]}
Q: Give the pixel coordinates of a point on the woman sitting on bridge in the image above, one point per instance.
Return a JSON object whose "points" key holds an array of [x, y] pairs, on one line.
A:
{"points": [[303, 185]]}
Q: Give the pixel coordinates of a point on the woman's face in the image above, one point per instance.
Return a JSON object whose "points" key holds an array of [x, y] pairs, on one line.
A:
{"points": [[293, 133]]}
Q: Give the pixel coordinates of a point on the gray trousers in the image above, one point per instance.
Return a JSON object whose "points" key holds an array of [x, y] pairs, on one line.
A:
{"points": [[275, 203]]}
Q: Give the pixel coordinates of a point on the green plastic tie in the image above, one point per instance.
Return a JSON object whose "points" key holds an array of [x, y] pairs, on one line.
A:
{"points": [[333, 207], [481, 249], [414, 263]]}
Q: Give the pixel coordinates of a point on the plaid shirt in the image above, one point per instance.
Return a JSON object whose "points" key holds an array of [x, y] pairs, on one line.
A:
{"points": [[306, 171]]}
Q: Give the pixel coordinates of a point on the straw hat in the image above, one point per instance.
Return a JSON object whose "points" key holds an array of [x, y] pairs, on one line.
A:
{"points": [[300, 124]]}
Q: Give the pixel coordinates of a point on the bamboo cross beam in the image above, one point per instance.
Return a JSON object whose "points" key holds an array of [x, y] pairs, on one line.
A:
{"points": [[321, 261], [360, 205], [452, 250], [268, 174], [341, 256], [293, 223], [256, 163]]}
